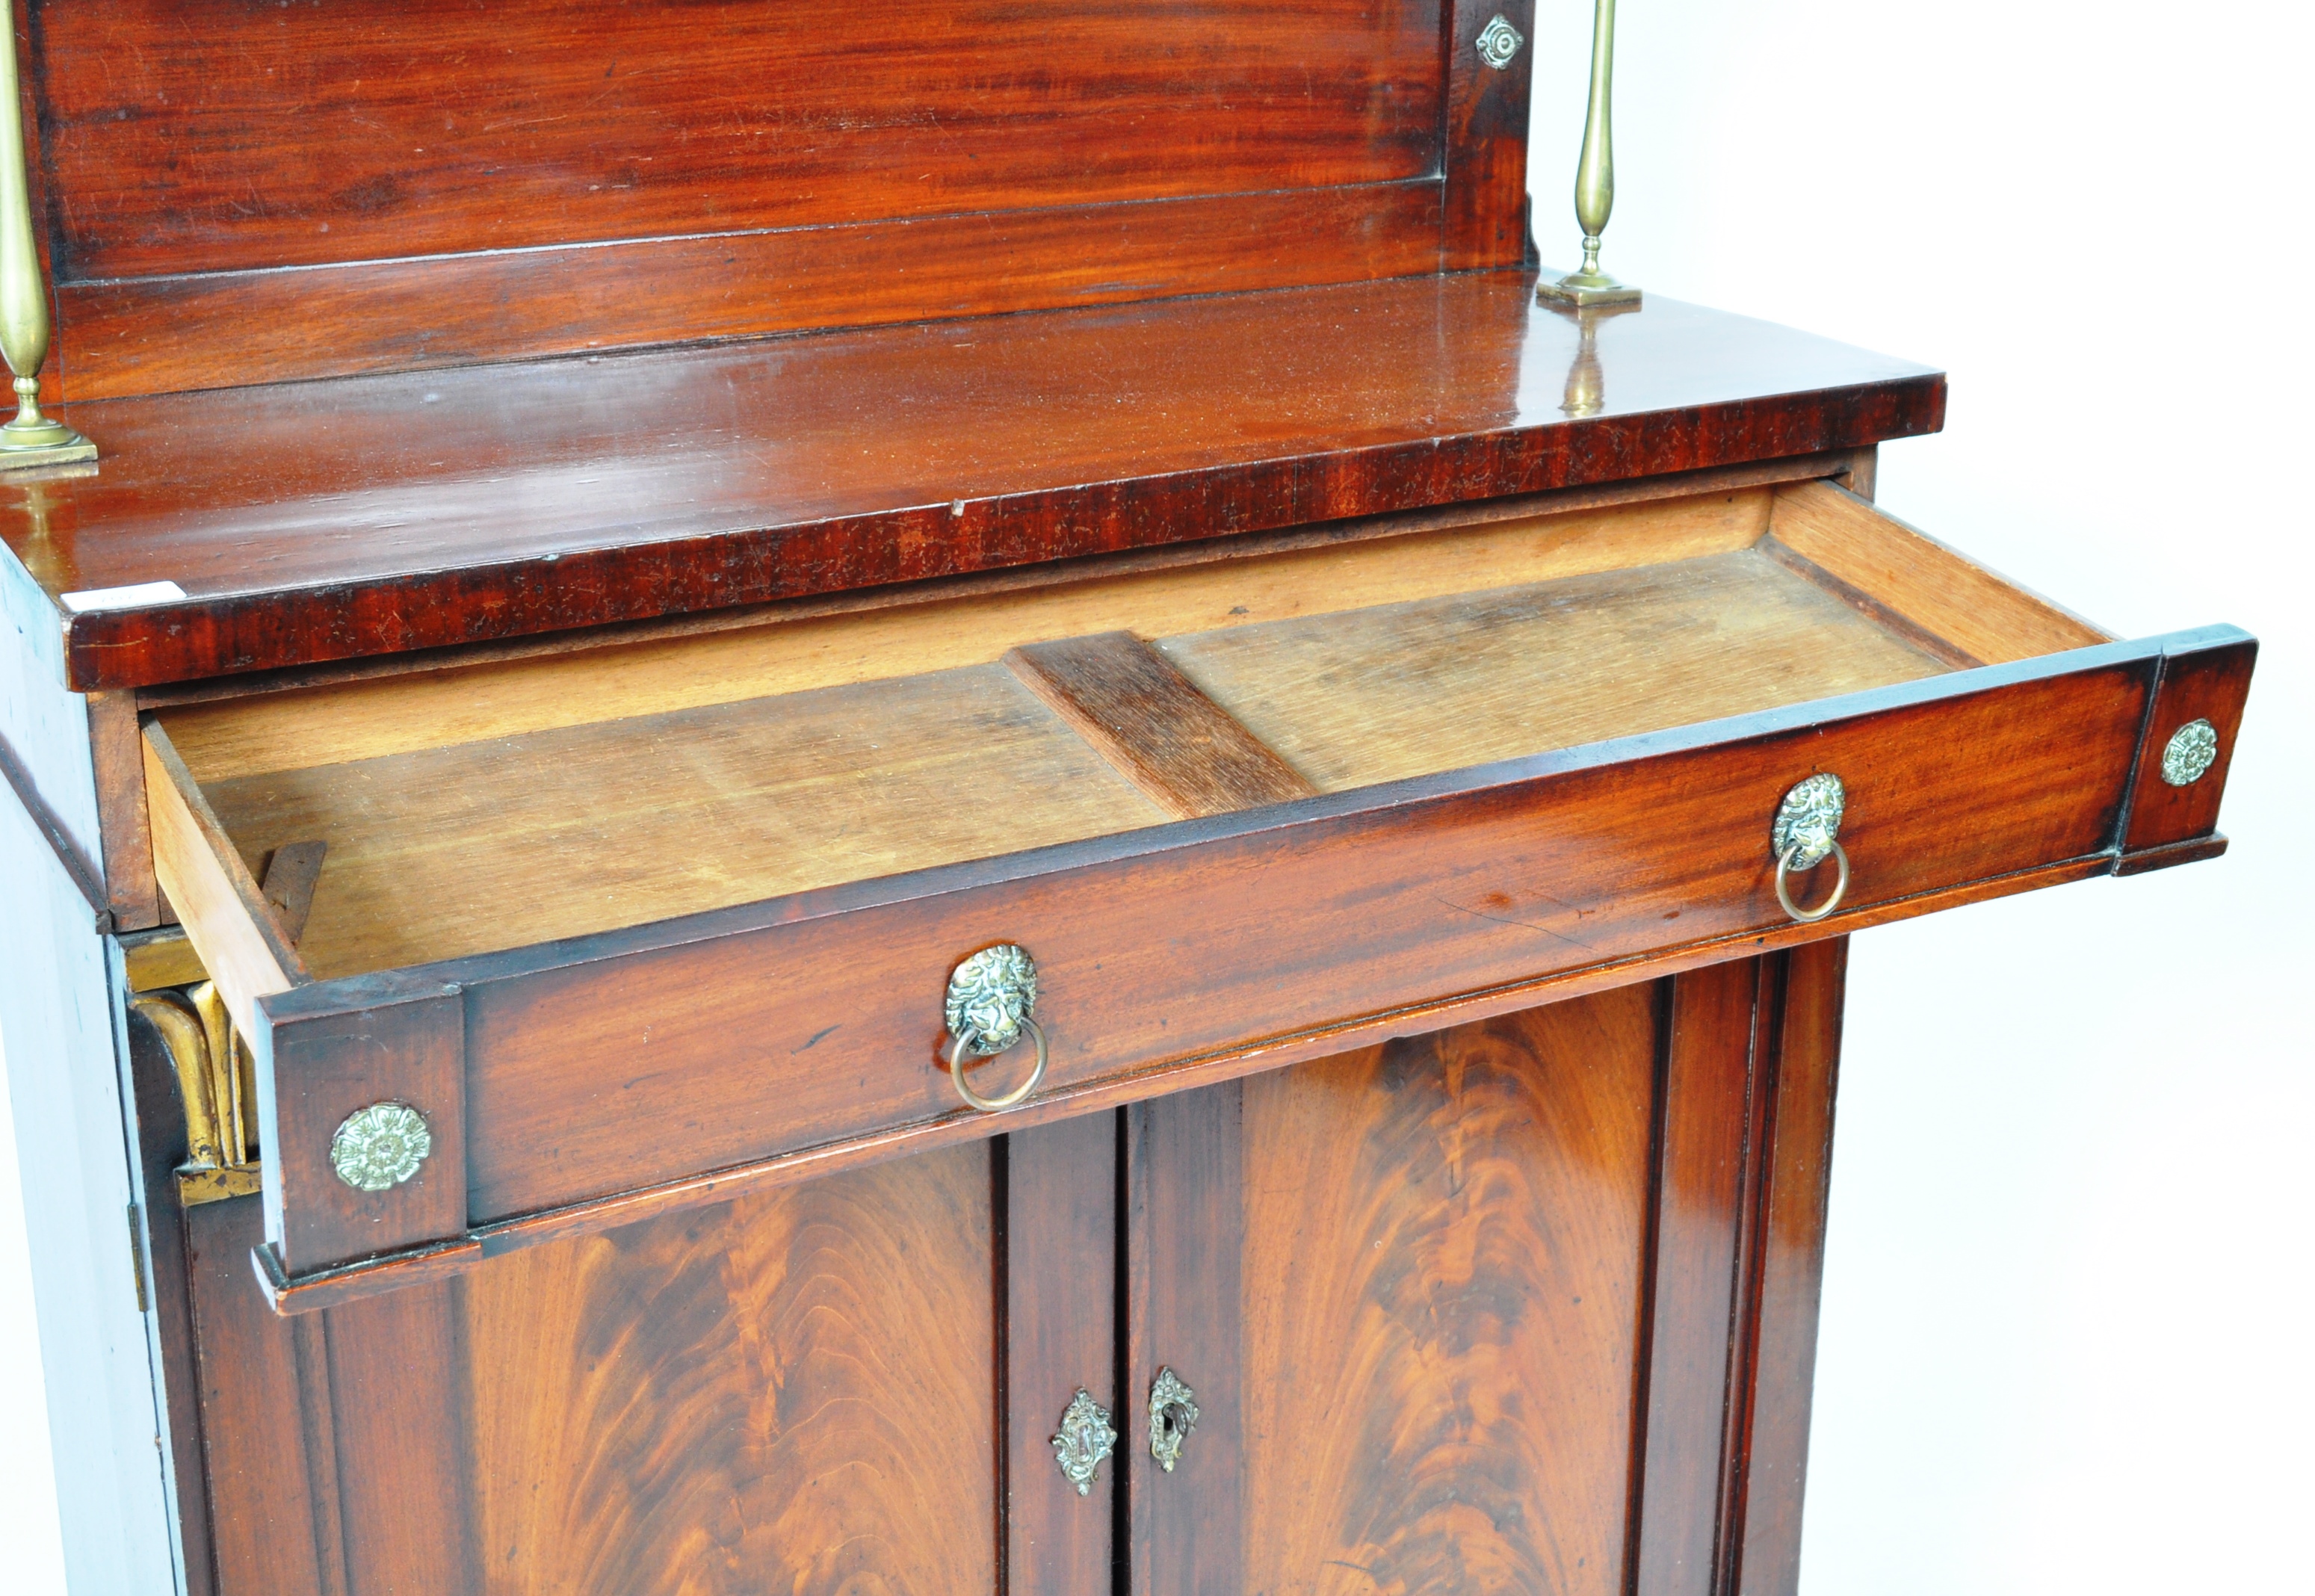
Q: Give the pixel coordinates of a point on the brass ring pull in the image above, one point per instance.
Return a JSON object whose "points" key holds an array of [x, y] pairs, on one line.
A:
{"points": [[1839, 887], [989, 999], [968, 1041]]}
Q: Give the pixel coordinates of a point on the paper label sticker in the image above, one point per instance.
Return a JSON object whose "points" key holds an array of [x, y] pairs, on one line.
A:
{"points": [[81, 603]]}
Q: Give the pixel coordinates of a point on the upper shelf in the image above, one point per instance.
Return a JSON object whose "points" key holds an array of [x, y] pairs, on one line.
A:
{"points": [[246, 195], [369, 515], [403, 326]]}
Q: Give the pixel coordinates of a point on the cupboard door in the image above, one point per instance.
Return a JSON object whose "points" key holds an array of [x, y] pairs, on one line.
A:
{"points": [[1059, 1247], [1186, 1235], [794, 1391], [1523, 1305], [791, 1395]]}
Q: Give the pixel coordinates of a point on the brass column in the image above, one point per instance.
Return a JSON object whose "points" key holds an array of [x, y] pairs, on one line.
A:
{"points": [[1595, 181], [32, 439]]}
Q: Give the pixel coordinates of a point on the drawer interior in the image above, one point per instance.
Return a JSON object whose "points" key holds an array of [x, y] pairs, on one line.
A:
{"points": [[493, 805]]}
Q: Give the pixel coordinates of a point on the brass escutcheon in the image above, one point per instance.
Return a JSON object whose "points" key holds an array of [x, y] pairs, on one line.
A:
{"points": [[1086, 1437], [1173, 1415]]}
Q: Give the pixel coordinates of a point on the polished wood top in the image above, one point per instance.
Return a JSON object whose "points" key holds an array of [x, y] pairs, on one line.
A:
{"points": [[376, 515]]}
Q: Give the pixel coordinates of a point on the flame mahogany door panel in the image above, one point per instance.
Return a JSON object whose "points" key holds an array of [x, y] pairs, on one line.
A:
{"points": [[794, 1391], [1525, 1305], [831, 1388]]}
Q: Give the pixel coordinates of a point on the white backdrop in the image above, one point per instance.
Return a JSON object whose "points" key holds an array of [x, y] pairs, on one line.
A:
{"points": [[2066, 1342]]}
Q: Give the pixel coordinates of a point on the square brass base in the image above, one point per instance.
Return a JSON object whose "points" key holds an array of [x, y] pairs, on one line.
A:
{"points": [[54, 454], [1571, 295]]}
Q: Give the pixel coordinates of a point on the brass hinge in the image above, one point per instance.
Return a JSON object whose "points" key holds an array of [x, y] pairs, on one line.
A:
{"points": [[216, 1081], [217, 1078], [159, 959]]}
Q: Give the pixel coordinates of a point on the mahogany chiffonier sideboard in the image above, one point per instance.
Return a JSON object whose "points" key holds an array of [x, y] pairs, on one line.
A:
{"points": [[945, 800]]}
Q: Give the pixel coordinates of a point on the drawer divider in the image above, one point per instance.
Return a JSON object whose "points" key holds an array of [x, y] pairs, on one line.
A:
{"points": [[1137, 710]]}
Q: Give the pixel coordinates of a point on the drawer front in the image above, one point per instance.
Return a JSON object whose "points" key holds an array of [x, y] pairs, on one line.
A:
{"points": [[609, 1076]]}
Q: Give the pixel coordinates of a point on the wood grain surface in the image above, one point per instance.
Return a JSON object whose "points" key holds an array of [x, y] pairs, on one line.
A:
{"points": [[124, 338], [349, 1046], [334, 1287], [1411, 1285], [521, 839], [2208, 683], [116, 755], [1485, 151], [210, 885], [800, 1389], [1130, 704], [614, 823], [319, 521], [1411, 689], [1990, 618], [1945, 652], [604, 1064], [1664, 829], [1079, 572], [390, 1392], [409, 330], [1186, 1261], [795, 1392], [438, 128], [1705, 1114], [460, 703], [293, 873], [1861, 474], [1061, 1336], [269, 1470], [438, 186], [2164, 855], [1790, 1220], [792, 1394], [1442, 1258]]}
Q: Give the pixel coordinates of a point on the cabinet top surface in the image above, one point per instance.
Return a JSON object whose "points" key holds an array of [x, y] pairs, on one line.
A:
{"points": [[307, 522], [409, 327]]}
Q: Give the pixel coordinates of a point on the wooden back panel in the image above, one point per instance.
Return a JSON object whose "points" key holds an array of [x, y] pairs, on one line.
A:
{"points": [[237, 193]]}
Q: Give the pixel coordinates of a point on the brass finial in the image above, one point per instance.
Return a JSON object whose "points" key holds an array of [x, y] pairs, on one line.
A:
{"points": [[32, 439], [1595, 181]]}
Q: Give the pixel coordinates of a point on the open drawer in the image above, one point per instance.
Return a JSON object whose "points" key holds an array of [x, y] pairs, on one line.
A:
{"points": [[633, 928]]}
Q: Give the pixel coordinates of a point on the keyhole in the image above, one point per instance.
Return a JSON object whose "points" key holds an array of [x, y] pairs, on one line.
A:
{"points": [[1173, 1412]]}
